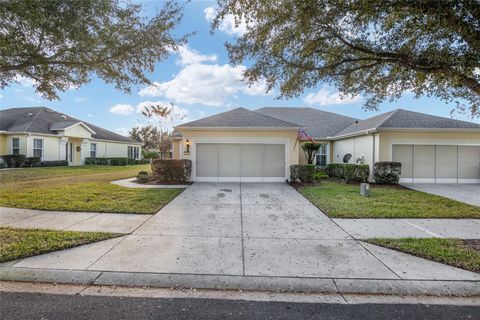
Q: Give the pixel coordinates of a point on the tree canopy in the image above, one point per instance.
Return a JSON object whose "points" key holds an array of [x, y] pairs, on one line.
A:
{"points": [[376, 48], [60, 44]]}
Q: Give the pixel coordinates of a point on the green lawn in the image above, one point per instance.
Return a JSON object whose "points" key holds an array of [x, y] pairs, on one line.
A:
{"points": [[86, 188], [463, 254], [21, 243], [341, 200]]}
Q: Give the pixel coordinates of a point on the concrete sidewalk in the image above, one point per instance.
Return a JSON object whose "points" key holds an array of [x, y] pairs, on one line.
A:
{"points": [[72, 221]]}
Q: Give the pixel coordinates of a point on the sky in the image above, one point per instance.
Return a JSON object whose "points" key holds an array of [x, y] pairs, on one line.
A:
{"points": [[198, 81]]}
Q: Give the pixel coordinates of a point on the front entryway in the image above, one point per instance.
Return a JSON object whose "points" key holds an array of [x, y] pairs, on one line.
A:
{"points": [[438, 163], [246, 162]]}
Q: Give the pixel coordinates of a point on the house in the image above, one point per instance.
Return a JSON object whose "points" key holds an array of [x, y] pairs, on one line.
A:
{"points": [[260, 145], [51, 135]]}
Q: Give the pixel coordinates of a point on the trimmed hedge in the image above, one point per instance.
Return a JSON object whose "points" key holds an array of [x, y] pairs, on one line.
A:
{"points": [[170, 170], [119, 161], [151, 154], [143, 177], [32, 161], [348, 172], [387, 172], [53, 163], [302, 172], [14, 160]]}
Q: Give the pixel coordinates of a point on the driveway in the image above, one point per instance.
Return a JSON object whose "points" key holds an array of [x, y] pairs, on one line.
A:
{"points": [[468, 193], [233, 229]]}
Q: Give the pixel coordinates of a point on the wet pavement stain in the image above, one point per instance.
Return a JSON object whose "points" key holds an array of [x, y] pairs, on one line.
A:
{"points": [[220, 195], [226, 190], [211, 216], [273, 217], [263, 195]]}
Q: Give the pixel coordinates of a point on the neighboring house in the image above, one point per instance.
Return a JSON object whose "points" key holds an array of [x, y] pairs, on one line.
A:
{"points": [[51, 135], [260, 145]]}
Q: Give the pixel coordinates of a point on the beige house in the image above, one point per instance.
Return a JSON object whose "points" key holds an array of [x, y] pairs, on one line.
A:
{"points": [[51, 135], [260, 145]]}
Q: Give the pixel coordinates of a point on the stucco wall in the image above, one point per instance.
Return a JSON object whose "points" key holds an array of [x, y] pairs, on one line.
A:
{"points": [[387, 139], [3, 144], [289, 136], [176, 149], [9, 144], [359, 147], [78, 131]]}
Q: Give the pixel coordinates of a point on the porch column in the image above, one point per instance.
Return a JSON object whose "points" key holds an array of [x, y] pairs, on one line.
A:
{"points": [[85, 151], [62, 155]]}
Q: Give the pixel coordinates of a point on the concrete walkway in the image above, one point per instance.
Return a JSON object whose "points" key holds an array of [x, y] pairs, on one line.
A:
{"points": [[468, 193], [247, 236], [72, 221], [130, 183]]}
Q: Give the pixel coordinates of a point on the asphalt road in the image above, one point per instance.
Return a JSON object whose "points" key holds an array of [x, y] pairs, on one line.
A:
{"points": [[65, 307]]}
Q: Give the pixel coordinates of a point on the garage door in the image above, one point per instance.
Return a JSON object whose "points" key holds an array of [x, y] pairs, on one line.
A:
{"points": [[438, 163], [249, 162]]}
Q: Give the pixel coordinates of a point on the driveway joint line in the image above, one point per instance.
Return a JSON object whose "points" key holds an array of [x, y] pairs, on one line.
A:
{"points": [[423, 229], [103, 255], [15, 221], [81, 221], [339, 292], [241, 230], [379, 260]]}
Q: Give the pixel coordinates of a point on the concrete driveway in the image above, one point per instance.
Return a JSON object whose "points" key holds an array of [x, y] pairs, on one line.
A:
{"points": [[233, 229], [468, 193]]}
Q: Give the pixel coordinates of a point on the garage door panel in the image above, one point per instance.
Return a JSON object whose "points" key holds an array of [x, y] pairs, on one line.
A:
{"points": [[404, 155], [469, 162], [274, 160], [251, 160], [446, 163], [207, 160], [423, 162], [229, 160]]}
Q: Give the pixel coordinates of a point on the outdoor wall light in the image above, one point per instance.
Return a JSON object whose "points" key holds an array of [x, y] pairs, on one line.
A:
{"points": [[187, 143]]}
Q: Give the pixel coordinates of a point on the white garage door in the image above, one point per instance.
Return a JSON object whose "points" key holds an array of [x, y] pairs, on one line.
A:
{"points": [[249, 162], [438, 163]]}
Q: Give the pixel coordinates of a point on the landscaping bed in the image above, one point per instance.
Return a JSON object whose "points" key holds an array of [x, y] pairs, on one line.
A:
{"points": [[341, 200], [464, 254], [86, 188], [22, 243]]}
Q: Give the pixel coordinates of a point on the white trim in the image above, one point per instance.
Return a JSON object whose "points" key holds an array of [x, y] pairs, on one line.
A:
{"points": [[76, 124], [467, 181], [43, 147], [446, 180], [423, 180]]}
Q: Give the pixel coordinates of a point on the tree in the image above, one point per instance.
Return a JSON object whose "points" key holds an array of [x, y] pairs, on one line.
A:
{"points": [[377, 48], [310, 149], [60, 44], [149, 135]]}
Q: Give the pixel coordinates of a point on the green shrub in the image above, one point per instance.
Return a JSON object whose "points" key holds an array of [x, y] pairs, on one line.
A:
{"points": [[53, 163], [170, 170], [348, 172], [118, 161], [143, 177], [302, 172], [32, 161], [387, 172], [151, 154], [320, 175], [14, 160]]}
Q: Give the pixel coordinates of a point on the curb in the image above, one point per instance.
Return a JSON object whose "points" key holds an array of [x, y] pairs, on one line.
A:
{"points": [[215, 282]]}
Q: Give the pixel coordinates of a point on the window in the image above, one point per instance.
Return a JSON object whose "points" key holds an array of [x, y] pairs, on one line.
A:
{"points": [[321, 156], [93, 150], [16, 146], [133, 152], [38, 148]]}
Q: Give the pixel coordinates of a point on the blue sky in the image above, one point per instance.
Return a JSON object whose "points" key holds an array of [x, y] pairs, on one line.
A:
{"points": [[199, 81]]}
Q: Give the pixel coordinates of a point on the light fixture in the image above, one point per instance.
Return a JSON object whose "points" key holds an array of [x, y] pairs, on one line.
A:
{"points": [[187, 143]]}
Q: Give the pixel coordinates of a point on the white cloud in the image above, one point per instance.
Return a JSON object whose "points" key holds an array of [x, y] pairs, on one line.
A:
{"points": [[80, 99], [90, 115], [122, 109], [123, 131], [1, 96], [190, 56], [24, 81], [326, 97], [207, 84], [227, 25]]}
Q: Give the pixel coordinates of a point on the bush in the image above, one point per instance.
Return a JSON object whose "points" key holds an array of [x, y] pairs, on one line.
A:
{"points": [[118, 161], [302, 172], [151, 154], [143, 177], [32, 161], [170, 170], [14, 160], [320, 175], [348, 172], [53, 163], [387, 172]]}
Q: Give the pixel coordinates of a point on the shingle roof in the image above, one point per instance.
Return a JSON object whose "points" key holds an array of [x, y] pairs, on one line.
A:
{"points": [[56, 126], [317, 123], [41, 120], [239, 118], [404, 119]]}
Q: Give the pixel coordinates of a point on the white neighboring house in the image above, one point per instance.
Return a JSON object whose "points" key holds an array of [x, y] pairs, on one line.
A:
{"points": [[51, 135]]}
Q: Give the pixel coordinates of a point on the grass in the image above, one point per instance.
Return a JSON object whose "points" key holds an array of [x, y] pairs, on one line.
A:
{"points": [[458, 253], [21, 243], [86, 188], [340, 200]]}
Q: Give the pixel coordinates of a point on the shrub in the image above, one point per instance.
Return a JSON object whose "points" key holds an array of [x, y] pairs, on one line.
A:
{"points": [[387, 172], [151, 154], [53, 163], [302, 172], [14, 160], [143, 177], [118, 161], [348, 172], [170, 170], [32, 161], [310, 149], [320, 175]]}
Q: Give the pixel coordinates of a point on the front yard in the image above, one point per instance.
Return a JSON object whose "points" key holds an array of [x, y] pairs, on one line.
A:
{"points": [[463, 254], [85, 188], [21, 243], [339, 200]]}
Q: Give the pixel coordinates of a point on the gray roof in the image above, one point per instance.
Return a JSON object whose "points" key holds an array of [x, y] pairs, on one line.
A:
{"points": [[317, 123], [404, 119], [239, 118], [45, 120]]}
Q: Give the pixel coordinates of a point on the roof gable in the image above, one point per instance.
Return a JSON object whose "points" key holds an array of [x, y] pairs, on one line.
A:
{"points": [[239, 118]]}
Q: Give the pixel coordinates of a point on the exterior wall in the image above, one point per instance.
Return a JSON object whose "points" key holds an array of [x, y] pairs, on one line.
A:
{"points": [[78, 131], [3, 144], [176, 149], [387, 139], [365, 147], [303, 159], [9, 144]]}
